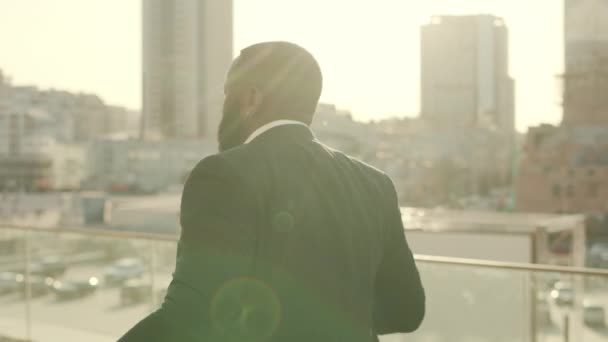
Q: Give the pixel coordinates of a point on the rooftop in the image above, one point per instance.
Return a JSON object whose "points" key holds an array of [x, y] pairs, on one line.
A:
{"points": [[443, 220]]}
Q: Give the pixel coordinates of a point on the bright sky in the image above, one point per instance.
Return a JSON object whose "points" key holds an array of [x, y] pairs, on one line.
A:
{"points": [[368, 49]]}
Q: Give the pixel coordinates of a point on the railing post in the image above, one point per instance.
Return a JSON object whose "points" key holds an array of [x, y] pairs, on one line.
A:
{"points": [[28, 288], [533, 282], [153, 265], [566, 328]]}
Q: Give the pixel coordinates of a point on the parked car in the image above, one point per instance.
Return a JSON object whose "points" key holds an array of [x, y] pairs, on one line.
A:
{"points": [[543, 309], [563, 293], [39, 286], [8, 282], [50, 266], [597, 256], [594, 315], [134, 291], [71, 289], [123, 270]]}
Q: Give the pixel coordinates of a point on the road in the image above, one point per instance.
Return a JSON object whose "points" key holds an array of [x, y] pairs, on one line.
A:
{"points": [[463, 304], [554, 333], [100, 313]]}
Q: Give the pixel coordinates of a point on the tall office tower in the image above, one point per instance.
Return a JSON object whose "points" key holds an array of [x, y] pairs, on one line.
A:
{"points": [[586, 62], [464, 72], [187, 49]]}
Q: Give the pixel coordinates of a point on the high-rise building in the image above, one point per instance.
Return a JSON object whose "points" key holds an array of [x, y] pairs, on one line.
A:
{"points": [[564, 168], [586, 62], [187, 49], [465, 72]]}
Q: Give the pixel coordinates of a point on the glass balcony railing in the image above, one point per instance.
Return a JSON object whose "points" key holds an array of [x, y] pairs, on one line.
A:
{"points": [[471, 300], [85, 286], [91, 285]]}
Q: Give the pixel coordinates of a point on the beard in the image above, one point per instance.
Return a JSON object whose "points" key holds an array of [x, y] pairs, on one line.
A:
{"points": [[232, 131]]}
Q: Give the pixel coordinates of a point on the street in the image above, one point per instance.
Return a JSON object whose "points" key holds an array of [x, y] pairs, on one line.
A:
{"points": [[100, 313]]}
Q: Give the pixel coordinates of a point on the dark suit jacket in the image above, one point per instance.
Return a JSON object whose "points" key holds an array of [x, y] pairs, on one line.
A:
{"points": [[285, 239]]}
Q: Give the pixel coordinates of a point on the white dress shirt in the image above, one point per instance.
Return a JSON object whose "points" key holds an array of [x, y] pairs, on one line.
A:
{"points": [[272, 125]]}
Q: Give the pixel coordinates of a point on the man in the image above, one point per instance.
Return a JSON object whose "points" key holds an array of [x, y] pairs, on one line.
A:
{"points": [[283, 238]]}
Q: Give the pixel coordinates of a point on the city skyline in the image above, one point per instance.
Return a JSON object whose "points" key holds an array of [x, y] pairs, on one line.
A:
{"points": [[385, 84]]}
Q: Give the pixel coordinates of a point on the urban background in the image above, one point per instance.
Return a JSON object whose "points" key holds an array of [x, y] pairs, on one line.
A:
{"points": [[72, 159]]}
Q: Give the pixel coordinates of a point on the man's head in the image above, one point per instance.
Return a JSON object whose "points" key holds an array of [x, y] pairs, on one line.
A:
{"points": [[268, 81]]}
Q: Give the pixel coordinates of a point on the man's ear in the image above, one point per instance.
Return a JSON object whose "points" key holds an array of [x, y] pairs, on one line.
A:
{"points": [[252, 101]]}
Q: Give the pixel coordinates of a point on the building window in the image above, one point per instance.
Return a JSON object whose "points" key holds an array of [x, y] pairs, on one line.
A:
{"points": [[593, 189], [557, 190], [570, 190]]}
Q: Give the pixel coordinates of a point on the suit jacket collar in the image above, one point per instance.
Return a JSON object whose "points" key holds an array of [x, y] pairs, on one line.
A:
{"points": [[281, 133], [277, 123]]}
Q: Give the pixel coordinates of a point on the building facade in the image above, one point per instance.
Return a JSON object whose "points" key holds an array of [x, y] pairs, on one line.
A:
{"points": [[32, 160], [586, 62], [67, 117], [565, 168], [336, 128], [465, 72], [187, 50], [133, 165]]}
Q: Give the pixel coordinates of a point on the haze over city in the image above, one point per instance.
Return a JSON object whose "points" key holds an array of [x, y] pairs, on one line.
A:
{"points": [[362, 171], [369, 50]]}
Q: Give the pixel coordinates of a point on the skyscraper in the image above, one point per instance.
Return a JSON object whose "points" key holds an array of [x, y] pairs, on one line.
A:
{"points": [[464, 72], [564, 168], [586, 62], [187, 49]]}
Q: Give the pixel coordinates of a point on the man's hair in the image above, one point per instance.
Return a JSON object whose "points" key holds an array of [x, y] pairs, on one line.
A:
{"points": [[288, 75]]}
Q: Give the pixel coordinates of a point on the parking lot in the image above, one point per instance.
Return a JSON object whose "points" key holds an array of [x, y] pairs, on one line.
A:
{"points": [[100, 312], [459, 299], [554, 331]]}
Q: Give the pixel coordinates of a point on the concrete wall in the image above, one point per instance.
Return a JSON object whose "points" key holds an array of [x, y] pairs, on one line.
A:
{"points": [[484, 246]]}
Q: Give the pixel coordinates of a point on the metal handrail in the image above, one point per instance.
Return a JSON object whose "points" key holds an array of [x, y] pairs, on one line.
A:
{"points": [[511, 265], [121, 234], [99, 232]]}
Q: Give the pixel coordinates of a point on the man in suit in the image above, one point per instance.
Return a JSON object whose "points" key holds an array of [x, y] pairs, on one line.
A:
{"points": [[284, 238]]}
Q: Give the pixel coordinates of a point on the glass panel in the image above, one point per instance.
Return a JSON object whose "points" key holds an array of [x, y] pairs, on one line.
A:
{"points": [[13, 311], [164, 264], [472, 304], [87, 287], [100, 286]]}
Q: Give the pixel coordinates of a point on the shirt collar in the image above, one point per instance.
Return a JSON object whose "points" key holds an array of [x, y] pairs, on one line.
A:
{"points": [[271, 125]]}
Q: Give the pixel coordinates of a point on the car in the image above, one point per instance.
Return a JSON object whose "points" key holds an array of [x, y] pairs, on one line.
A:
{"points": [[594, 315], [563, 293], [598, 255], [66, 289], [8, 282], [543, 309], [135, 291], [50, 266], [39, 286], [124, 270]]}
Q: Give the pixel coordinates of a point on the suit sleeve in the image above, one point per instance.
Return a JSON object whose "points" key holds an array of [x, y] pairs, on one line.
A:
{"points": [[217, 245], [399, 295]]}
